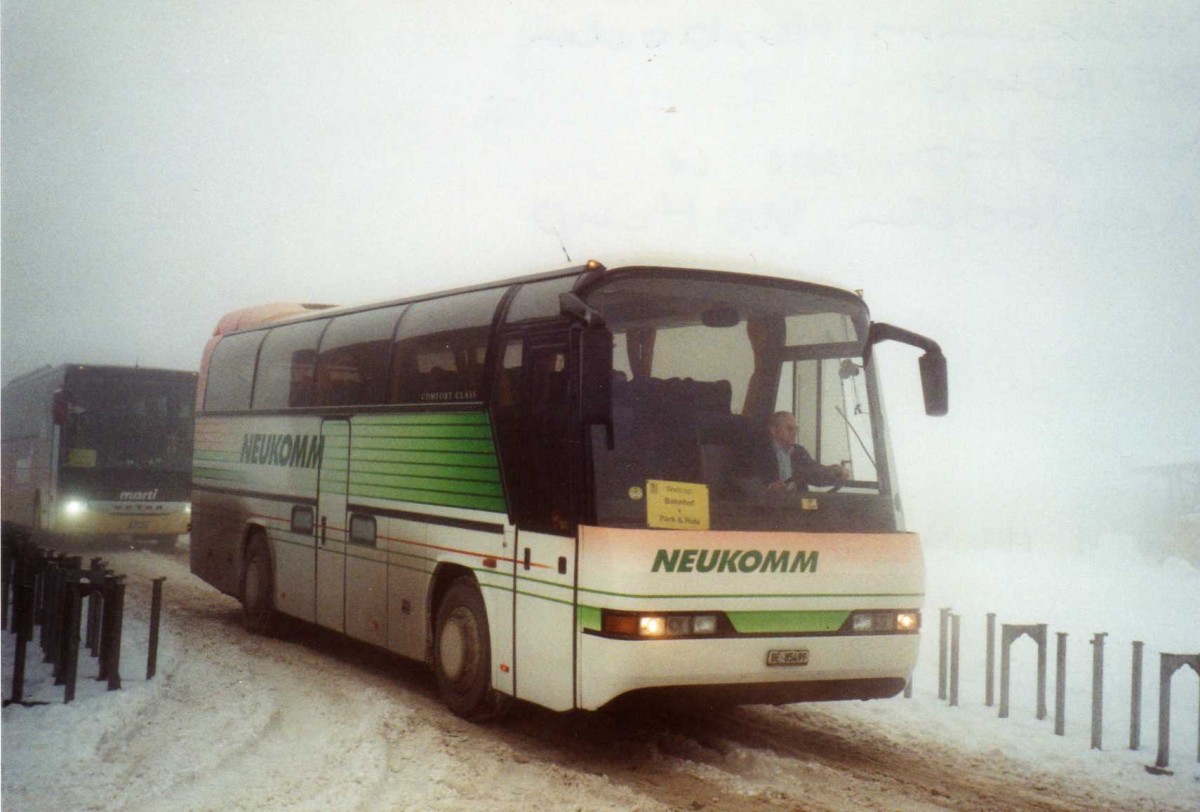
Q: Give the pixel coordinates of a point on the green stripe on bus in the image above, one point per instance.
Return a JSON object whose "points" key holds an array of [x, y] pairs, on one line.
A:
{"points": [[216, 456], [472, 459], [426, 484], [480, 473], [588, 617], [784, 622], [371, 432], [453, 444], [218, 474], [460, 500]]}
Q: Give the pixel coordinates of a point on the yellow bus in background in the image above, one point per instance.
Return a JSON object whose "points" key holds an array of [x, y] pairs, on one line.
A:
{"points": [[92, 451]]}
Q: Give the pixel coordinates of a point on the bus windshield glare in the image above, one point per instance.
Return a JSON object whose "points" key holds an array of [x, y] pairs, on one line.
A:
{"points": [[701, 366]]}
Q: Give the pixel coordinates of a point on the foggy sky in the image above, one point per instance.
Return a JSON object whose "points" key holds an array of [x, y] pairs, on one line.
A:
{"points": [[1018, 181]]}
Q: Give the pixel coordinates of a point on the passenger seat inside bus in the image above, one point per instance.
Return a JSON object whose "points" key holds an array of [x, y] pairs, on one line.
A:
{"points": [[676, 429]]}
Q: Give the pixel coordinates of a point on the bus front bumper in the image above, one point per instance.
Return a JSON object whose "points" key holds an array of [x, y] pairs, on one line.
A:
{"points": [[99, 519], [735, 670]]}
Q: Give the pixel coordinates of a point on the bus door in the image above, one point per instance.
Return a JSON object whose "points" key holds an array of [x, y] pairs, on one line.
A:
{"points": [[332, 487], [544, 593]]}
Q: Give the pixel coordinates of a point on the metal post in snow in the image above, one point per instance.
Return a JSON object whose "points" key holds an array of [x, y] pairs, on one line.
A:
{"points": [[110, 638], [1060, 686], [94, 605], [1008, 634], [155, 614], [1135, 698], [1005, 660], [118, 613], [69, 573], [991, 660], [1168, 665], [7, 544], [1166, 669], [954, 624], [48, 636], [1098, 689], [943, 623], [23, 600], [73, 604], [1040, 637]]}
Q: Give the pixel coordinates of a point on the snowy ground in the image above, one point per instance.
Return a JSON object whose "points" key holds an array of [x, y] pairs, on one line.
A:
{"points": [[234, 721]]}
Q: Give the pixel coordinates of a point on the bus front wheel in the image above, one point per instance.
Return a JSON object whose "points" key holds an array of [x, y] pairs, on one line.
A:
{"points": [[462, 657], [258, 601]]}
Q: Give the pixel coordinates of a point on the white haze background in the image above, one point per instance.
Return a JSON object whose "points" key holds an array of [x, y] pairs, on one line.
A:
{"points": [[1019, 181]]}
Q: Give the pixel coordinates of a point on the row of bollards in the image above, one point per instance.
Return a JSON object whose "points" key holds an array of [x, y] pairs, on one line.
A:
{"points": [[53, 593], [948, 678]]}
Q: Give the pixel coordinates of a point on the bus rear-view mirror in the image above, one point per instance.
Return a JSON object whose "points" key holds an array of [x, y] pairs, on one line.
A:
{"points": [[934, 383]]}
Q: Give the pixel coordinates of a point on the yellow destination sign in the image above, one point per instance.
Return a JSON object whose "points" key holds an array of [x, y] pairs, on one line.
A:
{"points": [[676, 505], [81, 458]]}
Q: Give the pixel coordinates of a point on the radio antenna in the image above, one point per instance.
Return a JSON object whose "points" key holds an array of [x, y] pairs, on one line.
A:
{"points": [[560, 245]]}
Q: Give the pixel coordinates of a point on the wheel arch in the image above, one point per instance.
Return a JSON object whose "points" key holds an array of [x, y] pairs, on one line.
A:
{"points": [[251, 530], [444, 574]]}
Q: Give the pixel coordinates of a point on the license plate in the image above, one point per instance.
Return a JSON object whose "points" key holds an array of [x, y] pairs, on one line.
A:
{"points": [[787, 656], [139, 524]]}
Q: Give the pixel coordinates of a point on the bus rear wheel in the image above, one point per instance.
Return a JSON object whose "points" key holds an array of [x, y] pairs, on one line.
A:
{"points": [[258, 589], [462, 657]]}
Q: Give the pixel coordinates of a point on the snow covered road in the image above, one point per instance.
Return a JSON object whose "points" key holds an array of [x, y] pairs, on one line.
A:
{"points": [[234, 721]]}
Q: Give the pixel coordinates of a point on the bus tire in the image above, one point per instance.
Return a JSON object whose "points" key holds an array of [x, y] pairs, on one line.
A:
{"points": [[462, 659], [258, 589]]}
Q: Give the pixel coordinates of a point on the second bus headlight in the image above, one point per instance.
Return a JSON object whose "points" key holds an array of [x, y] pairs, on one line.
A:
{"points": [[884, 622], [636, 624]]}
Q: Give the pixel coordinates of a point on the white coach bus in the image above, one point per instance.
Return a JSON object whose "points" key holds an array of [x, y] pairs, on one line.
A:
{"points": [[561, 488]]}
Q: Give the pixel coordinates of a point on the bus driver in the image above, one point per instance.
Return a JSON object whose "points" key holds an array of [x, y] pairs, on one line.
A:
{"points": [[780, 465]]}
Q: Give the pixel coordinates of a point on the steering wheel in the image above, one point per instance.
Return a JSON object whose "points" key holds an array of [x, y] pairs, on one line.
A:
{"points": [[834, 488]]}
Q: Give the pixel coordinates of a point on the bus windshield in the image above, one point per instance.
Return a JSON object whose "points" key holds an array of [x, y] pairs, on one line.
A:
{"points": [[123, 421], [701, 364]]}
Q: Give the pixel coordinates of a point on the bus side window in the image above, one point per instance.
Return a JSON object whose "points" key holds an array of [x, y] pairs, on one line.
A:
{"points": [[440, 348], [538, 301], [352, 367], [532, 418], [362, 530], [231, 373], [286, 365]]}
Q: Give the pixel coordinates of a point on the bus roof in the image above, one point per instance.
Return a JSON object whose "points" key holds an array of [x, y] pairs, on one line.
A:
{"points": [[63, 369], [592, 272], [264, 314]]}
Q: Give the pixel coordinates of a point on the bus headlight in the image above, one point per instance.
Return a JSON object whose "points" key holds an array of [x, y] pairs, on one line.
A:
{"points": [[884, 622], [651, 626], [74, 507], [676, 624]]}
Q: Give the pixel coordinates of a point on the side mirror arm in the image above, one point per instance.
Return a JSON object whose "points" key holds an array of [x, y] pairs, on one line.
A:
{"points": [[934, 382], [572, 305]]}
